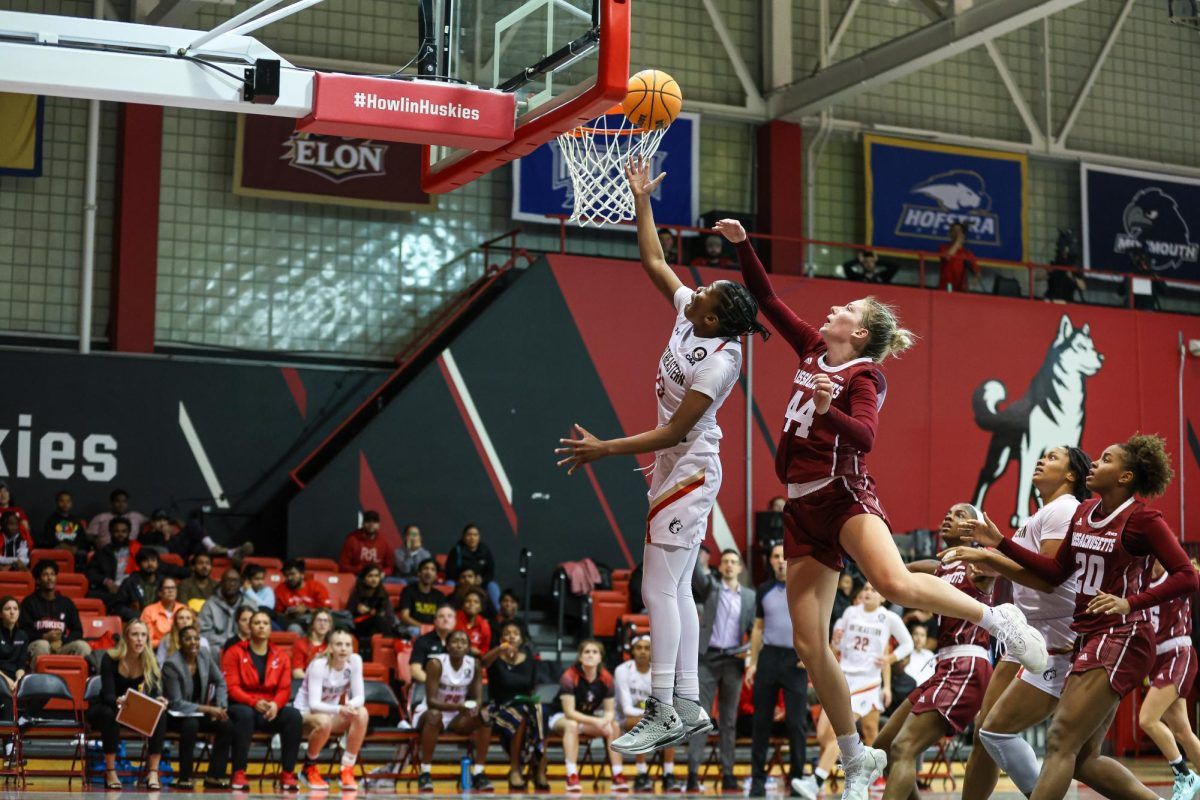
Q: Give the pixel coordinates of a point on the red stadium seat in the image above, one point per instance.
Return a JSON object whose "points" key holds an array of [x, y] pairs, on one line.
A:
{"points": [[607, 608], [444, 588], [266, 562], [65, 560], [18, 584], [73, 670], [383, 654], [394, 590], [339, 585], [95, 627], [274, 578], [374, 672], [73, 585], [284, 639], [174, 559], [89, 605], [220, 564], [321, 565]]}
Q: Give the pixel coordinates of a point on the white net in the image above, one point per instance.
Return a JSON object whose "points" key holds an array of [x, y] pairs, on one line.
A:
{"points": [[596, 155]]}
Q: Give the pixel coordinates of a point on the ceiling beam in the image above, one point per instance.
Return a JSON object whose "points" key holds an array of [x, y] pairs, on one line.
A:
{"points": [[1094, 72], [910, 53]]}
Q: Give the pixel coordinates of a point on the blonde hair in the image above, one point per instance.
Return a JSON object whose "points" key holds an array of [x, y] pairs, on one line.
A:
{"points": [[173, 636], [885, 336], [328, 652], [151, 677]]}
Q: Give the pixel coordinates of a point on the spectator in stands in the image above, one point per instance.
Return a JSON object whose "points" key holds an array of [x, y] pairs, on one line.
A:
{"points": [[160, 616], [371, 606], [725, 627], [471, 621], [298, 598], [419, 600], [129, 665], [469, 579], [366, 546], [411, 555], [331, 701], [514, 707], [111, 564], [241, 627], [955, 260], [773, 667], [586, 707], [312, 643], [453, 702], [510, 607], [471, 552], [631, 688], [1062, 285], [199, 586], [259, 677], [866, 267], [14, 643], [844, 597], [713, 255], [119, 505], [14, 543], [141, 588], [186, 539], [434, 642], [169, 644], [51, 620], [256, 590], [218, 618], [65, 531], [923, 660], [666, 238], [194, 684], [8, 504]]}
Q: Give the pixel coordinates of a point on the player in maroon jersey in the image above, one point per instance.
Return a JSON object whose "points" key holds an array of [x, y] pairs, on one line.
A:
{"points": [[829, 428], [956, 688], [1113, 541], [1163, 715]]}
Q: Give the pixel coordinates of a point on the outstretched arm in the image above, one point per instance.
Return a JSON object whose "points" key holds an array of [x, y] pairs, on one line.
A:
{"points": [[650, 248]]}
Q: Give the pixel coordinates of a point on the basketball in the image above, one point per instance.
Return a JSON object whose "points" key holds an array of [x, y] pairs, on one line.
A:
{"points": [[653, 100]]}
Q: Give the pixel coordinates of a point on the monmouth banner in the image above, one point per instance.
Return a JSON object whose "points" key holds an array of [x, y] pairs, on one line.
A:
{"points": [[917, 190]]}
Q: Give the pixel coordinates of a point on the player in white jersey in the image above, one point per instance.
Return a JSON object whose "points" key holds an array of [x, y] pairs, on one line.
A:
{"points": [[453, 702], [331, 700], [1016, 698], [862, 637], [696, 372]]}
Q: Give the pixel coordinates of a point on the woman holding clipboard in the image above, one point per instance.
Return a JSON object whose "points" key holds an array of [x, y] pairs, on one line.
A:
{"points": [[129, 665]]}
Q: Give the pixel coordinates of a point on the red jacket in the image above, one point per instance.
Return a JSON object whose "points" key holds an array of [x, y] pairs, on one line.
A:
{"points": [[359, 550], [479, 634], [242, 678], [311, 593]]}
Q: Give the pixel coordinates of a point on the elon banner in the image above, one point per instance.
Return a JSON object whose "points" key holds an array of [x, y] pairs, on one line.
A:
{"points": [[916, 190], [274, 160], [1126, 212], [542, 183]]}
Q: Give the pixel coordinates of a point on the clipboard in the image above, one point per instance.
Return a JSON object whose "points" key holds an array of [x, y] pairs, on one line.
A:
{"points": [[140, 712]]}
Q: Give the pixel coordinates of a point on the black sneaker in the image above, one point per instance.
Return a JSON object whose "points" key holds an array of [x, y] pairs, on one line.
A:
{"points": [[669, 784], [643, 783], [693, 783], [758, 787], [729, 784], [480, 783], [425, 782]]}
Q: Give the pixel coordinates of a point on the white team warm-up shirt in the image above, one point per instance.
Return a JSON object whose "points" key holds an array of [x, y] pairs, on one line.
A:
{"points": [[323, 687], [453, 685], [1052, 521], [632, 689], [865, 636], [710, 366]]}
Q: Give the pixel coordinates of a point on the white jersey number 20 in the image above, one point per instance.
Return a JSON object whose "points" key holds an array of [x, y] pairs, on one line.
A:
{"points": [[800, 414]]}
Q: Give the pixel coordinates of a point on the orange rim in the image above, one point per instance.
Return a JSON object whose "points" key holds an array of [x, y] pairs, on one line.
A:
{"points": [[587, 130]]}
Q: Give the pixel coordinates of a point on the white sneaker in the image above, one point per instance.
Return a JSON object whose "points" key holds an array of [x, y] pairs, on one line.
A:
{"points": [[1020, 640], [659, 727], [1186, 786], [694, 718], [806, 787], [861, 772]]}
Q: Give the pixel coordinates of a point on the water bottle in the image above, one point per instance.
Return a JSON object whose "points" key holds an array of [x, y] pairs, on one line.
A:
{"points": [[466, 774]]}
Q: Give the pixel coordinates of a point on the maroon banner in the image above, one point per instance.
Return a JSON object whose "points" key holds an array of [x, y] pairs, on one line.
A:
{"points": [[274, 160], [423, 112]]}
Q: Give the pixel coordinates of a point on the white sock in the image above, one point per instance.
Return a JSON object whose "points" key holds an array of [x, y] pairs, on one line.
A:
{"points": [[668, 768], [687, 685], [990, 620], [427, 768], [349, 759], [821, 775], [851, 745], [1013, 754], [572, 767], [617, 769], [642, 768], [477, 769]]}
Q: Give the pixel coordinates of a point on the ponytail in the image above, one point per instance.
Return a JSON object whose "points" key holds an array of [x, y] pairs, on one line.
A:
{"points": [[887, 338]]}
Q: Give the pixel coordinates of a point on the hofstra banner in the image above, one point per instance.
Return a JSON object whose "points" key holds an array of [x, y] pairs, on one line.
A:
{"points": [[275, 160], [542, 183], [917, 190], [1126, 212], [21, 134]]}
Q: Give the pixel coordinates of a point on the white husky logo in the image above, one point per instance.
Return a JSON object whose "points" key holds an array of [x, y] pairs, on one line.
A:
{"points": [[1050, 414]]}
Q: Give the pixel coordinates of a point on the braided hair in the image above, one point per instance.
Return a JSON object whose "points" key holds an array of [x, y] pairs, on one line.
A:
{"points": [[1079, 463], [738, 312]]}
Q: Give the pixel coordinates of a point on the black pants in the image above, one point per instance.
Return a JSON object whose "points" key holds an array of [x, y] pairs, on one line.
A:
{"points": [[777, 670], [287, 724], [224, 734], [103, 717]]}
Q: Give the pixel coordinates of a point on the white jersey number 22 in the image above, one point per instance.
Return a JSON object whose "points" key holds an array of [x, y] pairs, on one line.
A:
{"points": [[801, 414]]}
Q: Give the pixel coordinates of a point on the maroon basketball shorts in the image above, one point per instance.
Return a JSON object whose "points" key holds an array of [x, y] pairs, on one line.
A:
{"points": [[956, 689], [1175, 665], [813, 523], [1126, 653]]}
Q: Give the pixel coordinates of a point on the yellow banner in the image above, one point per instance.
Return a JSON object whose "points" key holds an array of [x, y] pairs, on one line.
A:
{"points": [[20, 134]]}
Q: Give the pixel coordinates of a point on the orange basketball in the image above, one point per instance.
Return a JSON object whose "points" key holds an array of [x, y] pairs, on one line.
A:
{"points": [[653, 99]]}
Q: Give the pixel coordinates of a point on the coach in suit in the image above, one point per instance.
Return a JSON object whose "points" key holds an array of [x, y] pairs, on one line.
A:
{"points": [[725, 625], [198, 699]]}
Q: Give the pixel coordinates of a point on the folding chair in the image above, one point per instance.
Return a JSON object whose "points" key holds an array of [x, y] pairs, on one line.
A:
{"points": [[34, 692], [384, 709]]}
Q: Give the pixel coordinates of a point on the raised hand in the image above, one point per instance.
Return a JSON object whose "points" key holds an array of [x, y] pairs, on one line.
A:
{"points": [[970, 555], [983, 531], [823, 393], [585, 449], [731, 229], [638, 174]]}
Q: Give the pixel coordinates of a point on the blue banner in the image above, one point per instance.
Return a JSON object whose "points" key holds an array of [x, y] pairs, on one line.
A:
{"points": [[542, 185], [917, 190], [1128, 214]]}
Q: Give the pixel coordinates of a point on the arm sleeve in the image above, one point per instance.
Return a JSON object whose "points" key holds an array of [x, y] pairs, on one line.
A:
{"points": [[283, 684], [624, 697], [108, 683], [358, 691], [453, 564], [1156, 536], [1052, 570], [173, 691], [233, 679], [857, 428], [74, 626], [221, 700], [346, 559], [799, 334], [318, 671], [904, 642], [759, 611], [489, 564], [1056, 522], [715, 376]]}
